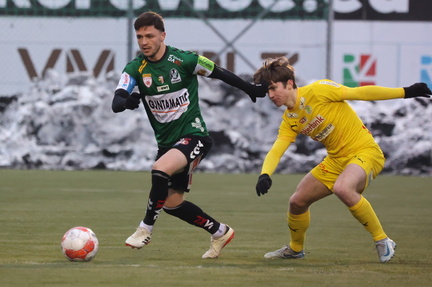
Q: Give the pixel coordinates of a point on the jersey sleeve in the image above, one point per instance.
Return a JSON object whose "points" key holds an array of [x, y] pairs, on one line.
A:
{"points": [[328, 90], [285, 137], [130, 75], [126, 82], [204, 66], [372, 93], [333, 91]]}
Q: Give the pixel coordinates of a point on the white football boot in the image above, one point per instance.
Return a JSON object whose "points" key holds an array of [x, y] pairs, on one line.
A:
{"points": [[140, 238], [285, 253], [386, 249], [217, 244]]}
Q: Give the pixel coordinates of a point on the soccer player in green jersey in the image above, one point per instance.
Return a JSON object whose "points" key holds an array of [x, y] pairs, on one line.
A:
{"points": [[168, 87], [320, 111]]}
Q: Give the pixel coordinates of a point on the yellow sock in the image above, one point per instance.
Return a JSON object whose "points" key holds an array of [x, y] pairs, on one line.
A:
{"points": [[298, 224], [365, 214]]}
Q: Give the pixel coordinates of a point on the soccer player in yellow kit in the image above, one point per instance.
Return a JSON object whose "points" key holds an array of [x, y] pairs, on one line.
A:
{"points": [[320, 111]]}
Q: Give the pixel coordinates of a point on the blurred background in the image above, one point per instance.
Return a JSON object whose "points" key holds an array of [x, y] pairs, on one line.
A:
{"points": [[61, 61]]}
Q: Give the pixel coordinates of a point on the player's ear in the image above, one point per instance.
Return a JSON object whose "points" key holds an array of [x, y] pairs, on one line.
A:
{"points": [[290, 84]]}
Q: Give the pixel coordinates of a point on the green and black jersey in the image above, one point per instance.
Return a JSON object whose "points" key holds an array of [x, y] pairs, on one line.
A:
{"points": [[169, 88]]}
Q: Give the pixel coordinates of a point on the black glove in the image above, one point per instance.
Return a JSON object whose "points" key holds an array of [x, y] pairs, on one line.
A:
{"points": [[258, 91], [417, 90], [263, 185], [133, 100]]}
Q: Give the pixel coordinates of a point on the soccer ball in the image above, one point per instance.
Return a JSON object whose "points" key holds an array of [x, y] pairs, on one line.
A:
{"points": [[79, 244]]}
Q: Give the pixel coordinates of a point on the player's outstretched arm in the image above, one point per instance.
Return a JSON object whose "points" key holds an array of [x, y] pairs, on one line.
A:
{"points": [[417, 90], [253, 90], [122, 101], [271, 162]]}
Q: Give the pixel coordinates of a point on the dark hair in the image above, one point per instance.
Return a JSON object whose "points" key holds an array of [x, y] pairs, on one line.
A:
{"points": [[150, 19], [275, 70]]}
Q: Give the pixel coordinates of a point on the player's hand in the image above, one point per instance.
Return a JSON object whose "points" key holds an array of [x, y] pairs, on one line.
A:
{"points": [[417, 90], [133, 100], [263, 185], [258, 91]]}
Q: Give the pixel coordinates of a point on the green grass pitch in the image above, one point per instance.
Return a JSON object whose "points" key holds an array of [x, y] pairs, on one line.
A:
{"points": [[38, 207]]}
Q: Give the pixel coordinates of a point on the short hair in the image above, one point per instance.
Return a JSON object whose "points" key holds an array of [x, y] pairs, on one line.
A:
{"points": [[150, 18], [275, 70]]}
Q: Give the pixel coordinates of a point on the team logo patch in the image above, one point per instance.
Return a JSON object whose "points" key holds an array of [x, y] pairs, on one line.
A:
{"points": [[325, 132], [303, 120], [125, 80], [175, 60], [175, 76], [167, 107], [316, 122], [197, 124], [143, 65], [323, 168], [147, 80], [197, 150], [331, 83], [302, 103], [202, 72], [163, 88], [292, 115], [183, 141]]}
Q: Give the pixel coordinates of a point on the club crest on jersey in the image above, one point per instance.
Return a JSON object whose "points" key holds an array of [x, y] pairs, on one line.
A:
{"points": [[147, 80], [175, 76]]}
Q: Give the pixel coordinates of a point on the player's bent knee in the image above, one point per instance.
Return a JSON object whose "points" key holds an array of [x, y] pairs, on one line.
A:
{"points": [[174, 200], [296, 205]]}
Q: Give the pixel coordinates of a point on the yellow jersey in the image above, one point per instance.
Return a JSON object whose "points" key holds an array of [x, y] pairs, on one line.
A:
{"points": [[322, 113]]}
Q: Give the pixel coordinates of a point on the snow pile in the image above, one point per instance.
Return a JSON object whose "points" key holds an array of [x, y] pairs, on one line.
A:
{"points": [[66, 122]]}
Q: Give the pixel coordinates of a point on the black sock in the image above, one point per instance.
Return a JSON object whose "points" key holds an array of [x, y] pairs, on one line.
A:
{"points": [[157, 197], [194, 215]]}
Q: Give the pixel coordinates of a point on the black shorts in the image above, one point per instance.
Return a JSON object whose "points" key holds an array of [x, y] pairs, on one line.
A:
{"points": [[195, 148]]}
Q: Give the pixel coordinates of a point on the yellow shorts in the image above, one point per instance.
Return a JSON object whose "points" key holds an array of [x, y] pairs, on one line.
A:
{"points": [[371, 159]]}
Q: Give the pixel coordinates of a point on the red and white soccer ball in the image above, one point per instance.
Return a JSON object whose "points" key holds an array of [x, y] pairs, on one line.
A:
{"points": [[79, 244]]}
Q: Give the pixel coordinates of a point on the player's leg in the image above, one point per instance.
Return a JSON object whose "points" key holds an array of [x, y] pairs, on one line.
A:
{"points": [[195, 149], [168, 163], [309, 190], [349, 187], [192, 214], [221, 234]]}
